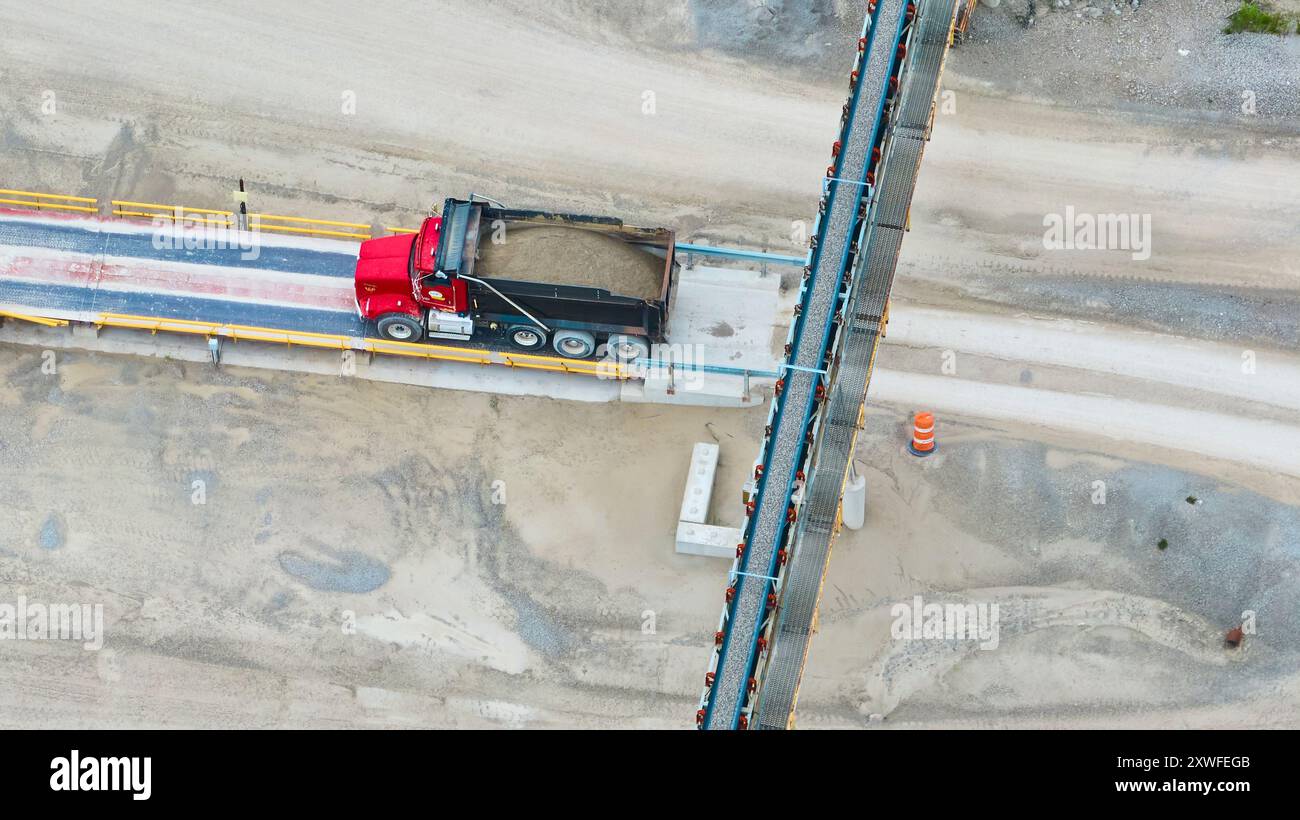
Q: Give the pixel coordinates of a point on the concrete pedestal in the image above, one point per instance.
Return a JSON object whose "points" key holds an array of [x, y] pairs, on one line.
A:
{"points": [[853, 507]]}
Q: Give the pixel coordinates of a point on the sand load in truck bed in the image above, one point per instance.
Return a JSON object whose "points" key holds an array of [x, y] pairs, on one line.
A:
{"points": [[561, 255]]}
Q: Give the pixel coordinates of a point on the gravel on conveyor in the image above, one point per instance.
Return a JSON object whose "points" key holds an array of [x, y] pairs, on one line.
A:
{"points": [[786, 444]]}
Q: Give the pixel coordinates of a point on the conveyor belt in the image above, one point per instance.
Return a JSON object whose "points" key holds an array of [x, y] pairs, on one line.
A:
{"points": [[746, 615], [833, 343], [873, 278]]}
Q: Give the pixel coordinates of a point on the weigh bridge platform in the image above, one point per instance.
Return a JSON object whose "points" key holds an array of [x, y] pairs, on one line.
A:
{"points": [[231, 285], [763, 634], [79, 268], [57, 268]]}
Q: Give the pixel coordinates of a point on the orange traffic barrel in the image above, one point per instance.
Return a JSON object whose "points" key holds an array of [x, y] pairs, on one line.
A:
{"points": [[922, 435]]}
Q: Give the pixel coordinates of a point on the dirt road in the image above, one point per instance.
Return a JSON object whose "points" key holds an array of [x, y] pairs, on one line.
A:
{"points": [[351, 564], [1201, 366], [716, 148]]}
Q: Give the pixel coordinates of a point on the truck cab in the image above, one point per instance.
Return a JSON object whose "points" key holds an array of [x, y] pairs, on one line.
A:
{"points": [[399, 287]]}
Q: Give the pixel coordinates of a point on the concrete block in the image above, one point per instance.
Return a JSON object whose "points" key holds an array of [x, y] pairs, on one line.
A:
{"points": [[707, 540], [695, 389], [853, 506], [699, 484]]}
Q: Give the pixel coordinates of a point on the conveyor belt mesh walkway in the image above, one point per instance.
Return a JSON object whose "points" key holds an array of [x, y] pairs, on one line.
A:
{"points": [[814, 418], [874, 277]]}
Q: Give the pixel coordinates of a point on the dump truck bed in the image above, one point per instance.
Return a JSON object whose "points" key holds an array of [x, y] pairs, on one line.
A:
{"points": [[565, 250], [570, 255]]}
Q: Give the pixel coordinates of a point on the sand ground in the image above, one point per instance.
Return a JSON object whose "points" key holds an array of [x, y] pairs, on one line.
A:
{"points": [[354, 562]]}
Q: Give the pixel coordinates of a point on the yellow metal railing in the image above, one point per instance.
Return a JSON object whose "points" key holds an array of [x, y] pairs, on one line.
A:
{"points": [[156, 324], [197, 216], [54, 202], [38, 320], [302, 225], [227, 219], [238, 333], [176, 213]]}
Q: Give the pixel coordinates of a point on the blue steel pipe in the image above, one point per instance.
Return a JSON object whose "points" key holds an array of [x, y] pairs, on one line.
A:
{"points": [[736, 253]]}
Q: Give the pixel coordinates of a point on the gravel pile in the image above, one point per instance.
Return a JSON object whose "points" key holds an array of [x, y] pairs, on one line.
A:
{"points": [[1086, 53], [1157, 53]]}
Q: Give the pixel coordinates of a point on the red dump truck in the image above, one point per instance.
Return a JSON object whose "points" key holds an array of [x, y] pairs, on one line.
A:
{"points": [[580, 285]]}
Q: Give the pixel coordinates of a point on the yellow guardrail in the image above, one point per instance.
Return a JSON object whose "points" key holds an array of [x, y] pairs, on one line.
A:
{"points": [[198, 216], [176, 213], [54, 202], [238, 333], [38, 320], [227, 219], [307, 226], [155, 324]]}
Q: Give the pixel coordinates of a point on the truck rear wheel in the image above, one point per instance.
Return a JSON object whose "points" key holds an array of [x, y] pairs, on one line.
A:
{"points": [[625, 348], [574, 344], [400, 327], [526, 337]]}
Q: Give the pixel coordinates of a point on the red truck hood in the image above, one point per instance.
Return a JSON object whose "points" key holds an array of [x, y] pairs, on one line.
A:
{"points": [[384, 261]]}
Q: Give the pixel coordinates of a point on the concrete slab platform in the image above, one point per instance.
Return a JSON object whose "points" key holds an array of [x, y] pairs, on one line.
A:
{"points": [[722, 318], [725, 317]]}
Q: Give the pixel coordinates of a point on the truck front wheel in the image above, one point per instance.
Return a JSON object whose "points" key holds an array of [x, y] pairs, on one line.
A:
{"points": [[400, 327], [527, 337]]}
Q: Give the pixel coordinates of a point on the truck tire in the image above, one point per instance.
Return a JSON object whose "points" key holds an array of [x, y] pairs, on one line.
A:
{"points": [[526, 337], [574, 344], [400, 327], [625, 348]]}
